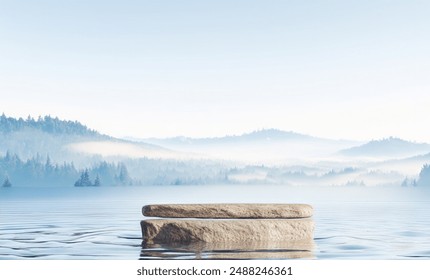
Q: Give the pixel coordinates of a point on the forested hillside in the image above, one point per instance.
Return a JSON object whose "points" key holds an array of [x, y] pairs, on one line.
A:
{"points": [[46, 124]]}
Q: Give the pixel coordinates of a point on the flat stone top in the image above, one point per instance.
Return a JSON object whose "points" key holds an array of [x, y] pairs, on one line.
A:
{"points": [[229, 211]]}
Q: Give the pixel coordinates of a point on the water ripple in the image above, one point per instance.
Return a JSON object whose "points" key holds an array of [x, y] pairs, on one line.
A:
{"points": [[108, 227]]}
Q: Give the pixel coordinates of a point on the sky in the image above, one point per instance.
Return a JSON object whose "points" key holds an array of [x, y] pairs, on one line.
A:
{"points": [[336, 69]]}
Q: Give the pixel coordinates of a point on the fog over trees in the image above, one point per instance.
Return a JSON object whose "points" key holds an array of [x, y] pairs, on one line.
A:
{"points": [[36, 153], [40, 172]]}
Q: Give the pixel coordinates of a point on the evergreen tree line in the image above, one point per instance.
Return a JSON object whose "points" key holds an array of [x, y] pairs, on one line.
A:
{"points": [[40, 171], [424, 177], [46, 124], [35, 172]]}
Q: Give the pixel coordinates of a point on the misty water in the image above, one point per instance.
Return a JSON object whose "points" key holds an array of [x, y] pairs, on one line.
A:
{"points": [[104, 222]]}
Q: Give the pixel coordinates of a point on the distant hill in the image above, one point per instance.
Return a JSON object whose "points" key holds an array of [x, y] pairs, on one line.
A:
{"points": [[65, 140], [265, 135], [261, 145], [389, 148], [46, 124], [425, 157]]}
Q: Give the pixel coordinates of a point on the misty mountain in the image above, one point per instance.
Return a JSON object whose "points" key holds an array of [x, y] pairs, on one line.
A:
{"points": [[387, 148], [53, 152], [67, 141], [261, 136], [408, 166], [267, 145]]}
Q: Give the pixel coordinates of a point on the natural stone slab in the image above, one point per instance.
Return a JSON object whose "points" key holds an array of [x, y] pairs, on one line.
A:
{"points": [[227, 231], [229, 211]]}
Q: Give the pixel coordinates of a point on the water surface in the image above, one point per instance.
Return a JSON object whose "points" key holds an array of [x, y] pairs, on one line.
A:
{"points": [[103, 223]]}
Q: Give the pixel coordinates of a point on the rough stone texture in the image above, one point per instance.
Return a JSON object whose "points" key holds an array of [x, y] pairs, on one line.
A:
{"points": [[227, 231], [229, 211]]}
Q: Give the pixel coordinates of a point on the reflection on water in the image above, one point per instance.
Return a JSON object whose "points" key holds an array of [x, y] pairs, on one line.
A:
{"points": [[222, 250], [104, 223]]}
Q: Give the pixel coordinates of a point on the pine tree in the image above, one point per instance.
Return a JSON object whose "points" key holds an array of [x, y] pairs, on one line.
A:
{"points": [[124, 177], [97, 181], [84, 180], [7, 183]]}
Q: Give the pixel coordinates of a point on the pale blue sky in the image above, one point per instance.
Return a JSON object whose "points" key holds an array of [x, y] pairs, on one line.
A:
{"points": [[337, 69]]}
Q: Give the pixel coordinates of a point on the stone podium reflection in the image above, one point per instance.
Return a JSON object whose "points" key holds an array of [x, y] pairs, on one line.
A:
{"points": [[237, 251]]}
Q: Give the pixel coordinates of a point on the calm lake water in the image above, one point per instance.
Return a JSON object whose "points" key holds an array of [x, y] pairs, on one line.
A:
{"points": [[103, 223]]}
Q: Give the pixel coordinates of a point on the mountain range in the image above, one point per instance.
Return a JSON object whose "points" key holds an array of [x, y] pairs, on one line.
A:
{"points": [[267, 145], [69, 140], [42, 149]]}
